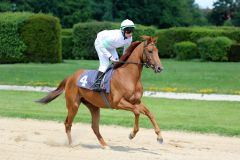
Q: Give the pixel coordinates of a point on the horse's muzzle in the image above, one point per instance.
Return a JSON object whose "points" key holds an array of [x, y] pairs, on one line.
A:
{"points": [[158, 69]]}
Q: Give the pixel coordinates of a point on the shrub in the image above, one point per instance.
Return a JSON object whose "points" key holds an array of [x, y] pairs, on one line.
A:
{"points": [[28, 37], [42, 35], [185, 50], [84, 35], [234, 54], [11, 45], [168, 37], [5, 6], [214, 49]]}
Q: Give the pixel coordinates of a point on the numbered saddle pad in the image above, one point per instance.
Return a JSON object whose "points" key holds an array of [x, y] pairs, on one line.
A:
{"points": [[88, 78]]}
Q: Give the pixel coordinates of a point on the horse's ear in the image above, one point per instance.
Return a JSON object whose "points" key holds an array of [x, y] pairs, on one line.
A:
{"points": [[155, 39]]}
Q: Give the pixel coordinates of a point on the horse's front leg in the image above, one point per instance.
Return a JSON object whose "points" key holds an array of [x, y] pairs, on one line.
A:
{"points": [[143, 109], [125, 105], [136, 127]]}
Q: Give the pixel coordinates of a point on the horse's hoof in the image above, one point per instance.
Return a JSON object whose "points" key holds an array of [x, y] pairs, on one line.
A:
{"points": [[106, 147], [69, 143], [130, 136], [160, 140]]}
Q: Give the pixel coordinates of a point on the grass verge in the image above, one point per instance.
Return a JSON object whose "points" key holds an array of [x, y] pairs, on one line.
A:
{"points": [[188, 115]]}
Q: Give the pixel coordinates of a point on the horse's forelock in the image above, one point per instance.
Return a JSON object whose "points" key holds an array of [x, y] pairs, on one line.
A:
{"points": [[149, 39]]}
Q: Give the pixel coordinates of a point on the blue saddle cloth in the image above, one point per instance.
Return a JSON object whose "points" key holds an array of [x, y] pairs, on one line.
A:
{"points": [[88, 78]]}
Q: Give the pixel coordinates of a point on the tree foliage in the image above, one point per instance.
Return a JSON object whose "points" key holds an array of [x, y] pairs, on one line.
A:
{"points": [[225, 10], [5, 6], [161, 13], [69, 11]]}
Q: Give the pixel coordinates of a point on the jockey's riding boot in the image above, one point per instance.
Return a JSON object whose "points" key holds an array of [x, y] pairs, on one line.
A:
{"points": [[97, 86]]}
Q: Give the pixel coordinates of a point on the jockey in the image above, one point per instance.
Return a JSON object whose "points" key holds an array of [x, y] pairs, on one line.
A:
{"points": [[107, 42]]}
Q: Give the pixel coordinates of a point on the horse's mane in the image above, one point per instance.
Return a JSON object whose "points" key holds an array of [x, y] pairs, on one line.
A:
{"points": [[127, 53]]}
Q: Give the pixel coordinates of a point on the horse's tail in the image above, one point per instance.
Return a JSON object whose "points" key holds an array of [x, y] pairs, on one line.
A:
{"points": [[54, 94]]}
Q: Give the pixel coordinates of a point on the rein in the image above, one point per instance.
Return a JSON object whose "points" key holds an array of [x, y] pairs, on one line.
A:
{"points": [[138, 63]]}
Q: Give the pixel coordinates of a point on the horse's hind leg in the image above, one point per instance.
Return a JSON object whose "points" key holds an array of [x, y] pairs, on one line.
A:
{"points": [[95, 113], [72, 106], [145, 111]]}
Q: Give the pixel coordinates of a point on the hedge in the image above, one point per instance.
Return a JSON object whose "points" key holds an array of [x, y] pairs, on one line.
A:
{"points": [[41, 33], [84, 35], [168, 37], [214, 49], [28, 37], [11, 44], [67, 44], [185, 50]]}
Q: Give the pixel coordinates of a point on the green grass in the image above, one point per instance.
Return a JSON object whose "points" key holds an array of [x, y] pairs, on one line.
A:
{"points": [[178, 76], [199, 116]]}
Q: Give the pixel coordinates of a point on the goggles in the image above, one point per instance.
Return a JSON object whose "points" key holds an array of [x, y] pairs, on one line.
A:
{"points": [[128, 30]]}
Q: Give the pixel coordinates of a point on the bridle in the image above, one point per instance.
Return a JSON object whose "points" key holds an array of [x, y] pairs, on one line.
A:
{"points": [[148, 56]]}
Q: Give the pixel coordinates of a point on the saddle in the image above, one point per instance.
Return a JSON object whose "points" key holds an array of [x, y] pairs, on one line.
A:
{"points": [[88, 78]]}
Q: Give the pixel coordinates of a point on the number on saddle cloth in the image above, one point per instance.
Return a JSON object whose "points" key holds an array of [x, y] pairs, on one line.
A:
{"points": [[88, 78]]}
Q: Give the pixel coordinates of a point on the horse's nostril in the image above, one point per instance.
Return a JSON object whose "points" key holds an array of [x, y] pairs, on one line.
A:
{"points": [[159, 69]]}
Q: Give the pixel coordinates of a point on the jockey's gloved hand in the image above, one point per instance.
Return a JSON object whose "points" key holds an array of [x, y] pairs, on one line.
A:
{"points": [[113, 59]]}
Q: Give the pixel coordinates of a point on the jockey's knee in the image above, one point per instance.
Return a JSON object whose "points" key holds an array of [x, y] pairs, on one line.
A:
{"points": [[103, 68]]}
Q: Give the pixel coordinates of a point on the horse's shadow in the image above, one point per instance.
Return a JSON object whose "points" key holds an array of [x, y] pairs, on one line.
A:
{"points": [[122, 149]]}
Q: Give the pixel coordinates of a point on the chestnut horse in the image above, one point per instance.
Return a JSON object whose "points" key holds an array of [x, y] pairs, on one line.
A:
{"points": [[125, 93]]}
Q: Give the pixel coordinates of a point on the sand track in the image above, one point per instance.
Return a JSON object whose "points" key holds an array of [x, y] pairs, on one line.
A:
{"points": [[45, 140]]}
